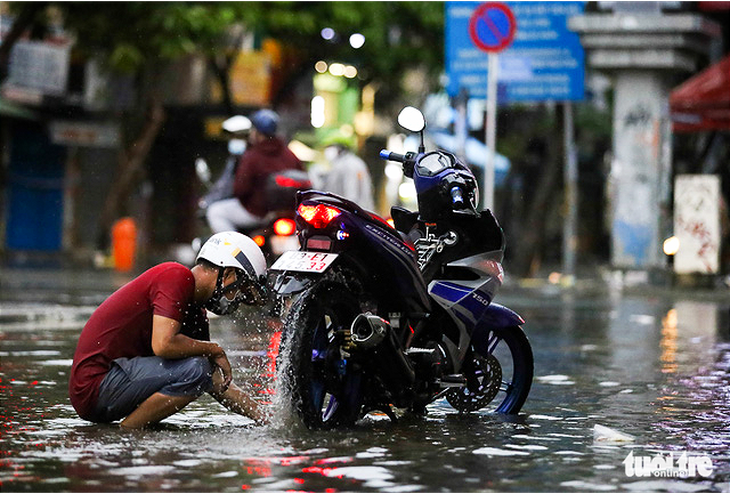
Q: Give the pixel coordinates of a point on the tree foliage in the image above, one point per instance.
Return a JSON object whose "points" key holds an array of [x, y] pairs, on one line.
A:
{"points": [[398, 35], [137, 38]]}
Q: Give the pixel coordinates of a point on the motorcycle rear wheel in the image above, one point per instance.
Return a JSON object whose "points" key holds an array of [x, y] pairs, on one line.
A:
{"points": [[326, 391], [501, 379]]}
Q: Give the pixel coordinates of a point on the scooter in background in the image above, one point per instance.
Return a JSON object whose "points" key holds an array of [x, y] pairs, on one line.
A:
{"points": [[275, 234]]}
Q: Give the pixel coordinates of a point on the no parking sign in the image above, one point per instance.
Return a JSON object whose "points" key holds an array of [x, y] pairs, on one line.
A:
{"points": [[492, 27]]}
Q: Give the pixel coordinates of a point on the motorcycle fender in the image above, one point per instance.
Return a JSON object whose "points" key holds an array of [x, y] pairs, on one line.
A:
{"points": [[287, 284], [496, 317], [499, 316]]}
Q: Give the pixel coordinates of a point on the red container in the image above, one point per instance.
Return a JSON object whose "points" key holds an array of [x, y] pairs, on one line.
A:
{"points": [[124, 243]]}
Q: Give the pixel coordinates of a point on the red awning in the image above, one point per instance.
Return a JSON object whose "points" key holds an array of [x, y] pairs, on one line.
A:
{"points": [[703, 101]]}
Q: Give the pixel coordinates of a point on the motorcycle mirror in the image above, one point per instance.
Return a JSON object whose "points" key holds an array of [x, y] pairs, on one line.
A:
{"points": [[412, 119], [202, 170]]}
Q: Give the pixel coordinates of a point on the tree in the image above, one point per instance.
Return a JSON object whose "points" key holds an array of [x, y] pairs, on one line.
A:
{"points": [[138, 38], [398, 36]]}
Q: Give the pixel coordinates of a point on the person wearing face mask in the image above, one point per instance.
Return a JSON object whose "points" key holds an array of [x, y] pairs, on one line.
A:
{"points": [[266, 154], [145, 352]]}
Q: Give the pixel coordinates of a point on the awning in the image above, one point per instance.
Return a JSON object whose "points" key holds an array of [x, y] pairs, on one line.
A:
{"points": [[10, 109], [703, 101]]}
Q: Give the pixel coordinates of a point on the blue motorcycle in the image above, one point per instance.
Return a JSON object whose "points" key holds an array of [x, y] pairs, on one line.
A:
{"points": [[384, 319]]}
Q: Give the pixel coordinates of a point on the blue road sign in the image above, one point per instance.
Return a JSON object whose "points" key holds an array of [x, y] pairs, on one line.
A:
{"points": [[544, 62]]}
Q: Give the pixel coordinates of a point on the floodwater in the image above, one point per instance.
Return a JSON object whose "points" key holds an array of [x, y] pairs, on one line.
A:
{"points": [[653, 367]]}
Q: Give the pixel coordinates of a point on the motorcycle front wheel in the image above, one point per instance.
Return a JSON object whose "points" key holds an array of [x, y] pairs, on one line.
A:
{"points": [[500, 378], [324, 388]]}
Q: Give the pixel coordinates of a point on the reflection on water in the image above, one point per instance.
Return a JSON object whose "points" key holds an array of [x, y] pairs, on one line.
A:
{"points": [[655, 369]]}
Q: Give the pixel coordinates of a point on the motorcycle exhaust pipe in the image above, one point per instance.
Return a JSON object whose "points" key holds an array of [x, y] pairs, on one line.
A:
{"points": [[368, 331], [374, 334]]}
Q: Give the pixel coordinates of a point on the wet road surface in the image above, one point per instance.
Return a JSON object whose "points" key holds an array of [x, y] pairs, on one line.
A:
{"points": [[652, 366]]}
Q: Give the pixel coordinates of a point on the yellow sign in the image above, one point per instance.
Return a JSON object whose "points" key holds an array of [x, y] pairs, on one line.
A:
{"points": [[250, 80]]}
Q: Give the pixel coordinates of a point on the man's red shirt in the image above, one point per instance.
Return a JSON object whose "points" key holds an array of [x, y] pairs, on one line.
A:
{"points": [[122, 327]]}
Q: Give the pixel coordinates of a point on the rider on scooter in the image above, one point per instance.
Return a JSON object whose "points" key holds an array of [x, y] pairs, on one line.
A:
{"points": [[266, 153]]}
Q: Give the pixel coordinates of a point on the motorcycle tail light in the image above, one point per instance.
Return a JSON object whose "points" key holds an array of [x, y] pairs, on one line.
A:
{"points": [[260, 240], [319, 216], [284, 181], [284, 227]]}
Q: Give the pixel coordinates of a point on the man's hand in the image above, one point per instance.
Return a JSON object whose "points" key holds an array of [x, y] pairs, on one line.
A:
{"points": [[220, 361], [236, 400]]}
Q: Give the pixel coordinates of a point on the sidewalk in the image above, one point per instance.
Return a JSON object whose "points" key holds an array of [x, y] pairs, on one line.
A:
{"points": [[57, 295]]}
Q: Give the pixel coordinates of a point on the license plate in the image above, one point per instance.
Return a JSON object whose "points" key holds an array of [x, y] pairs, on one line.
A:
{"points": [[304, 262]]}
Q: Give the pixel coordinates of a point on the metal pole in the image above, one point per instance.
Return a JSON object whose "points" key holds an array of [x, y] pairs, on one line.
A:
{"points": [[461, 129], [491, 130], [570, 177]]}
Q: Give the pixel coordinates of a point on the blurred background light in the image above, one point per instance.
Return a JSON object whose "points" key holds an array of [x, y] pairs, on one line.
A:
{"points": [[328, 33], [394, 171], [337, 69], [357, 40], [321, 66], [407, 191], [350, 72], [671, 246], [317, 112]]}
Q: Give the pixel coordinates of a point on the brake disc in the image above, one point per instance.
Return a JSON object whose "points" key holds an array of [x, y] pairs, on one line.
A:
{"points": [[483, 383]]}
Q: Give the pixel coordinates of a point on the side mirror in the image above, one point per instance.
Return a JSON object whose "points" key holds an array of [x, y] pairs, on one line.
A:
{"points": [[203, 171], [412, 119]]}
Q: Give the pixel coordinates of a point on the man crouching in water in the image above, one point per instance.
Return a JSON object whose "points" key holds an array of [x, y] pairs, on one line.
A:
{"points": [[146, 352]]}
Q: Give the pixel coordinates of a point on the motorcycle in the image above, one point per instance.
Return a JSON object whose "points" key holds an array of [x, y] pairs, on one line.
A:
{"points": [[384, 319]]}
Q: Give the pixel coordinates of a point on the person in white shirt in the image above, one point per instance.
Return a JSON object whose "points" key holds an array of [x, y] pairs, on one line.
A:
{"points": [[348, 176]]}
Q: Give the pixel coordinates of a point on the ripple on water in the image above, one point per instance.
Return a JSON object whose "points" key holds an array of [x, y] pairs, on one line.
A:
{"points": [[581, 485], [489, 451], [140, 471], [555, 379]]}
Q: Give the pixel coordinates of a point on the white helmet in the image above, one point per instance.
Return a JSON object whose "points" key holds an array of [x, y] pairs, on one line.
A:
{"points": [[237, 124], [236, 250]]}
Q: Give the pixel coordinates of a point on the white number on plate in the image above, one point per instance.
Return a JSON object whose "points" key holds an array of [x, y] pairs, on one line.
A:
{"points": [[308, 262]]}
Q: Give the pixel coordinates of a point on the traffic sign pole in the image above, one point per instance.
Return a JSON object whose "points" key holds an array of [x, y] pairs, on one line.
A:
{"points": [[492, 28], [491, 130]]}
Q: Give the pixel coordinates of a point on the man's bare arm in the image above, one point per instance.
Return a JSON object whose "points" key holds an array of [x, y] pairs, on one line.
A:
{"points": [[167, 342], [236, 400]]}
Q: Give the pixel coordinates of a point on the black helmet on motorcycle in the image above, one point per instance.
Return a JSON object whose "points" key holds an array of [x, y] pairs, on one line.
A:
{"points": [[265, 121], [235, 250]]}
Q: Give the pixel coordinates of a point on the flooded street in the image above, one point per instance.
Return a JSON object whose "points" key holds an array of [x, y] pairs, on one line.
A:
{"points": [[654, 366]]}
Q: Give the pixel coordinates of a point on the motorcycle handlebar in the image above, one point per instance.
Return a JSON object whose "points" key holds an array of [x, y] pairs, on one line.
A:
{"points": [[387, 155]]}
